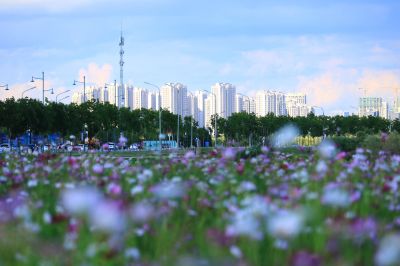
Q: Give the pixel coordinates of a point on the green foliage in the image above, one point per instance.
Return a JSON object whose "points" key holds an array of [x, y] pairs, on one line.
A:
{"points": [[106, 122], [392, 143], [373, 143], [347, 144]]}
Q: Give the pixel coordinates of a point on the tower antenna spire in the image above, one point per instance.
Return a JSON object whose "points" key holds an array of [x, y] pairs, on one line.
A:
{"points": [[121, 62]]}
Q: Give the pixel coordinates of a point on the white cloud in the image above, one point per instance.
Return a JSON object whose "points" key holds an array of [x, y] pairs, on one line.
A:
{"points": [[96, 74], [16, 90], [380, 82], [48, 5]]}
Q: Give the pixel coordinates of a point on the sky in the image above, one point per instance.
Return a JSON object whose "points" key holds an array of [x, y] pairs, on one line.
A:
{"points": [[326, 49]]}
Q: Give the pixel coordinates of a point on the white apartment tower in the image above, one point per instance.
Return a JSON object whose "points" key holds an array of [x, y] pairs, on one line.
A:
{"points": [[209, 110], [373, 106], [140, 97], [201, 99], [153, 100], [192, 106], [239, 101], [270, 102], [249, 105], [225, 94], [296, 105], [129, 97], [174, 98]]}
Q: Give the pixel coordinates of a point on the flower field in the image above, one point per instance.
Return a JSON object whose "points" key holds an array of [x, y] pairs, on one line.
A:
{"points": [[226, 207]]}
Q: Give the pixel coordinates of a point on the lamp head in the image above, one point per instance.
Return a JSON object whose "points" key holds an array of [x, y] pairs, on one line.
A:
{"points": [[74, 83], [32, 80], [52, 91], [7, 87]]}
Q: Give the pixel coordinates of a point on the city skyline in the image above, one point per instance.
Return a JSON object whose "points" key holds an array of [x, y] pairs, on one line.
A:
{"points": [[327, 51], [201, 105]]}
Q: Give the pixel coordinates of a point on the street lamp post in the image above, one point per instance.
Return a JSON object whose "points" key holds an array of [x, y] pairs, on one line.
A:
{"points": [[52, 90], [191, 132], [61, 94], [84, 87], [22, 95], [159, 110], [177, 135], [63, 98], [4, 86], [215, 117], [42, 79]]}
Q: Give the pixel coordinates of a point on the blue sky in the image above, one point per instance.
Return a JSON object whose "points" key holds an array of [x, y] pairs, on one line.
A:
{"points": [[327, 49]]}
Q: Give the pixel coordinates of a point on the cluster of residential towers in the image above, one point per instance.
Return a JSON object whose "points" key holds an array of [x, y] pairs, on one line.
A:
{"points": [[222, 100]]}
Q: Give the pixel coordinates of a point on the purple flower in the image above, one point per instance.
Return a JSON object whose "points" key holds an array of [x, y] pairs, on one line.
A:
{"points": [[304, 258]]}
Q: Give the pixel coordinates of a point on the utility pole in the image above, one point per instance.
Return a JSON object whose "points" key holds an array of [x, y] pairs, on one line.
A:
{"points": [[121, 61]]}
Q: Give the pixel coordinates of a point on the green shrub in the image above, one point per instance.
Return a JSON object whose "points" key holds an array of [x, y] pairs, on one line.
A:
{"points": [[347, 144], [392, 143], [373, 143]]}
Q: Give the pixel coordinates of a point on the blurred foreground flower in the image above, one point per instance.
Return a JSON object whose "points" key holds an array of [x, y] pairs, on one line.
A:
{"points": [[285, 224], [80, 200], [285, 136], [169, 189], [327, 149], [335, 197], [389, 251]]}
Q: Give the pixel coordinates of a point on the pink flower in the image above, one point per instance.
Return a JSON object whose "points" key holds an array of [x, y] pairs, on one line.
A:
{"points": [[98, 169], [114, 189], [240, 168], [190, 155], [229, 153]]}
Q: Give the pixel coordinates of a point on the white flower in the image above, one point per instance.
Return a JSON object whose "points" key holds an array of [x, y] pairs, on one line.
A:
{"points": [[106, 216], [136, 190], [169, 190], [132, 253], [243, 223], [80, 200], [321, 167], [142, 212], [285, 136], [32, 183], [389, 251], [247, 186], [235, 251], [285, 224], [327, 149], [336, 197], [47, 217]]}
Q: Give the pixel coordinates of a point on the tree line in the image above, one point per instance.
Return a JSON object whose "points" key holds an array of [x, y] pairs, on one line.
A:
{"points": [[105, 122]]}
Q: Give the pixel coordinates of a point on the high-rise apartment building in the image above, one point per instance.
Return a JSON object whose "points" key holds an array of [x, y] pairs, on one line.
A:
{"points": [[296, 105], [225, 94], [174, 98], [192, 106], [128, 97], [140, 98], [209, 110], [249, 105], [201, 97], [153, 100], [270, 102], [373, 106], [245, 104]]}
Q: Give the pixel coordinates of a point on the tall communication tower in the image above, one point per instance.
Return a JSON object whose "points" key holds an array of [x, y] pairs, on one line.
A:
{"points": [[121, 64]]}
